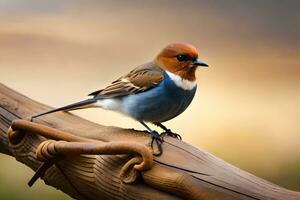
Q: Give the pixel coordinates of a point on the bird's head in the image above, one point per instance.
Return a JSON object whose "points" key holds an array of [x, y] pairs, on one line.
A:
{"points": [[180, 59]]}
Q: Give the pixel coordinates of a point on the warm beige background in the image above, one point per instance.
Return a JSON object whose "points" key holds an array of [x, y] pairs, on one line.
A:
{"points": [[247, 108]]}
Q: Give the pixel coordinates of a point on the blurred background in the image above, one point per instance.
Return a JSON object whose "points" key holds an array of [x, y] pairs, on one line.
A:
{"points": [[247, 107]]}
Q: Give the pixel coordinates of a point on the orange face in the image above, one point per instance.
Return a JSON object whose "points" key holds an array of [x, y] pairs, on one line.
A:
{"points": [[180, 59]]}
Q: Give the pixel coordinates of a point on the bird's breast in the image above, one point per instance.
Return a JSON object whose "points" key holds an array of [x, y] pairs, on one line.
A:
{"points": [[161, 103]]}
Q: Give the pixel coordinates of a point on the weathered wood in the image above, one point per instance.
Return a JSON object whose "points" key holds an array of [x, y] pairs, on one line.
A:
{"points": [[182, 172]]}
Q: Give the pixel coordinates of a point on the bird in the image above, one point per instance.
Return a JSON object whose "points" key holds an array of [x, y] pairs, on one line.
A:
{"points": [[154, 92]]}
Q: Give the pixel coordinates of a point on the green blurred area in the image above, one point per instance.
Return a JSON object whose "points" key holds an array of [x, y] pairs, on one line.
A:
{"points": [[13, 183], [247, 107]]}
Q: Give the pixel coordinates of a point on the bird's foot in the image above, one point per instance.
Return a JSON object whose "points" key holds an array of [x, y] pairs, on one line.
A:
{"points": [[172, 134], [157, 139]]}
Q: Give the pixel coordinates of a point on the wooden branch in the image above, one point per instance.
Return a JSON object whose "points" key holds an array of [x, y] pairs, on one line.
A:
{"points": [[99, 162]]}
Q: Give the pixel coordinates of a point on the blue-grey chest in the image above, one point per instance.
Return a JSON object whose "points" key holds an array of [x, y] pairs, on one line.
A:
{"points": [[161, 103]]}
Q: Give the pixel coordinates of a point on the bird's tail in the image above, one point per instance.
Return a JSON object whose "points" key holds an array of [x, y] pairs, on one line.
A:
{"points": [[89, 103]]}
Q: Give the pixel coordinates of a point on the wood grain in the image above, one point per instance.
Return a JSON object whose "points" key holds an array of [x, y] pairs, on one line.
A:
{"points": [[182, 172]]}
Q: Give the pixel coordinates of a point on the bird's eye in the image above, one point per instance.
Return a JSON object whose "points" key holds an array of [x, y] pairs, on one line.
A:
{"points": [[182, 58]]}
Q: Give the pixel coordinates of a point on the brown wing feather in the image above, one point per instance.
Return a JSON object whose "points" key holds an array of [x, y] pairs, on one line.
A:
{"points": [[138, 80]]}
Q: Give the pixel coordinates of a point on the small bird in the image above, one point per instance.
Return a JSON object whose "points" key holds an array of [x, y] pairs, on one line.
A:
{"points": [[154, 92]]}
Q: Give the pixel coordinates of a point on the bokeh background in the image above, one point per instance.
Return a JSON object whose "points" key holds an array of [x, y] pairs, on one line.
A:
{"points": [[247, 108]]}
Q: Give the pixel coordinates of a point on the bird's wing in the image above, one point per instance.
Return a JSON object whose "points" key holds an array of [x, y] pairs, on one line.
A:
{"points": [[138, 80]]}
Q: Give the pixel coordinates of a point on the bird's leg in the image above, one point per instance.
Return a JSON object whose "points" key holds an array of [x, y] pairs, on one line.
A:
{"points": [[167, 131], [155, 137]]}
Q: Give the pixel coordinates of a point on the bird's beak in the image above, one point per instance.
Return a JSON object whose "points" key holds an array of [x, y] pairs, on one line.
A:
{"points": [[198, 62]]}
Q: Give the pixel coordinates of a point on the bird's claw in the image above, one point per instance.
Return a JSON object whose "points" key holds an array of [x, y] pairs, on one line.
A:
{"points": [[172, 134], [155, 137]]}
